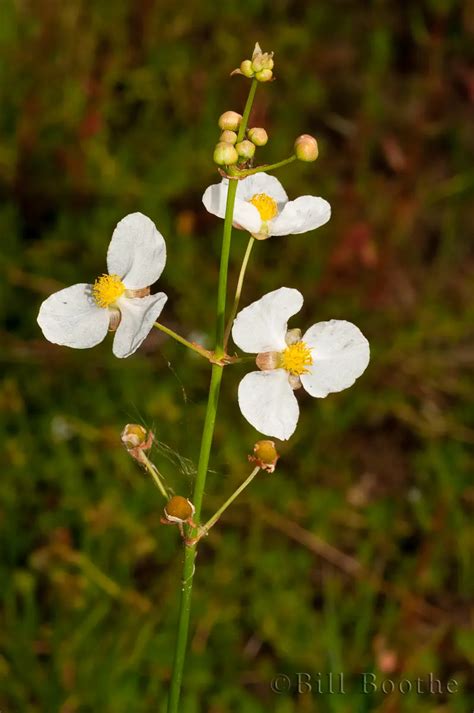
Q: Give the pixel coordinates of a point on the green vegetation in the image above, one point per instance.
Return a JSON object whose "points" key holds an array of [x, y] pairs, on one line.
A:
{"points": [[356, 554]]}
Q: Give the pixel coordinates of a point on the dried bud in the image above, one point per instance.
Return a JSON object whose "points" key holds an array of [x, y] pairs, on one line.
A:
{"points": [[246, 68], [265, 75], [179, 509], [225, 154], [265, 455], [245, 149], [268, 360], [134, 435], [258, 136], [136, 439], [230, 120], [229, 137], [306, 148]]}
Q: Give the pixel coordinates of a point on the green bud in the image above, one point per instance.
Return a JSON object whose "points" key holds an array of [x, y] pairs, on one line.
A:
{"points": [[258, 136], [306, 148], [264, 75], [230, 120], [245, 149], [246, 68], [229, 137], [225, 154]]}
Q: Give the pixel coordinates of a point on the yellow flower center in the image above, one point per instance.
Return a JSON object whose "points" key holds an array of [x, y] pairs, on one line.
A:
{"points": [[107, 289], [265, 205], [296, 358]]}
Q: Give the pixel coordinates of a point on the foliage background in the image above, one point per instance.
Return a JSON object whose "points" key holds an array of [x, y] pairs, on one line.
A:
{"points": [[357, 554]]}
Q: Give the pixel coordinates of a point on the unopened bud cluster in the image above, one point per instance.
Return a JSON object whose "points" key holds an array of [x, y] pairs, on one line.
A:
{"points": [[228, 150], [259, 67]]}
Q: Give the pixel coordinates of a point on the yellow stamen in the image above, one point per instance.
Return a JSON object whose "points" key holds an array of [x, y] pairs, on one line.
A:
{"points": [[296, 358], [265, 205], [107, 289]]}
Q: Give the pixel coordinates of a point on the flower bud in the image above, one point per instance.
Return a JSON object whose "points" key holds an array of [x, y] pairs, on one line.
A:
{"points": [[245, 149], [225, 154], [228, 137], [265, 455], [179, 509], [258, 136], [265, 75], [136, 440], [133, 435], [246, 68], [230, 120], [306, 148]]}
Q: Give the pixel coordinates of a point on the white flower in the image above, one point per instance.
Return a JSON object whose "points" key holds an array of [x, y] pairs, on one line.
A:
{"points": [[262, 207], [329, 357], [80, 316]]}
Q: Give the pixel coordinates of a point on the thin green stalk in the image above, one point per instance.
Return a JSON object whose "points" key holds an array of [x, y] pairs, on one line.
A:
{"points": [[212, 521], [207, 434], [267, 167], [238, 290], [155, 474], [194, 347]]}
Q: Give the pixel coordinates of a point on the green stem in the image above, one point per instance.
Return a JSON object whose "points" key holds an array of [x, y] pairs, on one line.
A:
{"points": [[238, 290], [194, 347], [266, 167], [155, 474], [207, 434], [247, 110], [212, 521]]}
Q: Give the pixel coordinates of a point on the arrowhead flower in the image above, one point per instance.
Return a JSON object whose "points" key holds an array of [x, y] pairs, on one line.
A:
{"points": [[80, 316], [329, 357], [263, 208]]}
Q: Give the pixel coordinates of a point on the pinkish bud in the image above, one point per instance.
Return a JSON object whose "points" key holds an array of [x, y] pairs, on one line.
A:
{"points": [[230, 120], [265, 75], [225, 154], [228, 137], [245, 149], [246, 68], [258, 136], [306, 148]]}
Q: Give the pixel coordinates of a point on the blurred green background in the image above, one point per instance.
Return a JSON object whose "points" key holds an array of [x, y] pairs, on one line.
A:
{"points": [[356, 555]]}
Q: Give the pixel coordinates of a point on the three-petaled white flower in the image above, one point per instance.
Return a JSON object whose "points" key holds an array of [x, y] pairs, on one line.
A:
{"points": [[329, 357], [262, 207], [80, 316]]}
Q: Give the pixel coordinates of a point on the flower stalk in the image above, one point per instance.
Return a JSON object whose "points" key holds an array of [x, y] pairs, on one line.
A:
{"points": [[208, 432], [204, 529]]}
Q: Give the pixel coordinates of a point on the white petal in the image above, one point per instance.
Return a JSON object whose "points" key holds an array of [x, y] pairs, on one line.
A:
{"points": [[340, 355], [137, 317], [71, 317], [137, 252], [262, 326], [262, 183], [246, 216], [267, 401], [299, 216]]}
